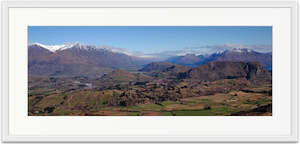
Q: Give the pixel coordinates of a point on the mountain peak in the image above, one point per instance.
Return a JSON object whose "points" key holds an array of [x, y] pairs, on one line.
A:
{"points": [[51, 48], [54, 48]]}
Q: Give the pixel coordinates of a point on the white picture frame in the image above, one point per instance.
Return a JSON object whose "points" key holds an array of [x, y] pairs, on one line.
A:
{"points": [[7, 136]]}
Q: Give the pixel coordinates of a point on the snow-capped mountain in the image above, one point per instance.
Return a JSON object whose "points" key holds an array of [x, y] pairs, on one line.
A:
{"points": [[237, 50], [235, 54], [77, 59], [53, 48], [211, 49], [77, 45]]}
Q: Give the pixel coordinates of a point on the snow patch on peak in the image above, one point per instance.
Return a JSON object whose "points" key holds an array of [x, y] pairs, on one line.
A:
{"points": [[70, 45], [51, 48], [236, 50], [240, 50], [54, 48]]}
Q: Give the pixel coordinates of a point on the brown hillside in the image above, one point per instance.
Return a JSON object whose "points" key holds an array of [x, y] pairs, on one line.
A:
{"points": [[228, 70]]}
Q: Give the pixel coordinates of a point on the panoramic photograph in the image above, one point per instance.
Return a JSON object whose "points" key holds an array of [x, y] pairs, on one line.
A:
{"points": [[149, 71]]}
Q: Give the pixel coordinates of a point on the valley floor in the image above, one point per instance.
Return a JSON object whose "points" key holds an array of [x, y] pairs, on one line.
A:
{"points": [[78, 97]]}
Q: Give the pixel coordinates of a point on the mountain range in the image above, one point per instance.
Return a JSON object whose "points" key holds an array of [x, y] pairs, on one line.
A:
{"points": [[95, 61], [244, 55], [77, 59], [77, 79]]}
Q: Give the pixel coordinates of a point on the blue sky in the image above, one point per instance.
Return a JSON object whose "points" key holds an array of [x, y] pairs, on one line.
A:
{"points": [[151, 39]]}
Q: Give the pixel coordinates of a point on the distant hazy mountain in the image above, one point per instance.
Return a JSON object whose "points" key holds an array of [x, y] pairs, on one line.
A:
{"points": [[191, 60], [244, 55]]}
